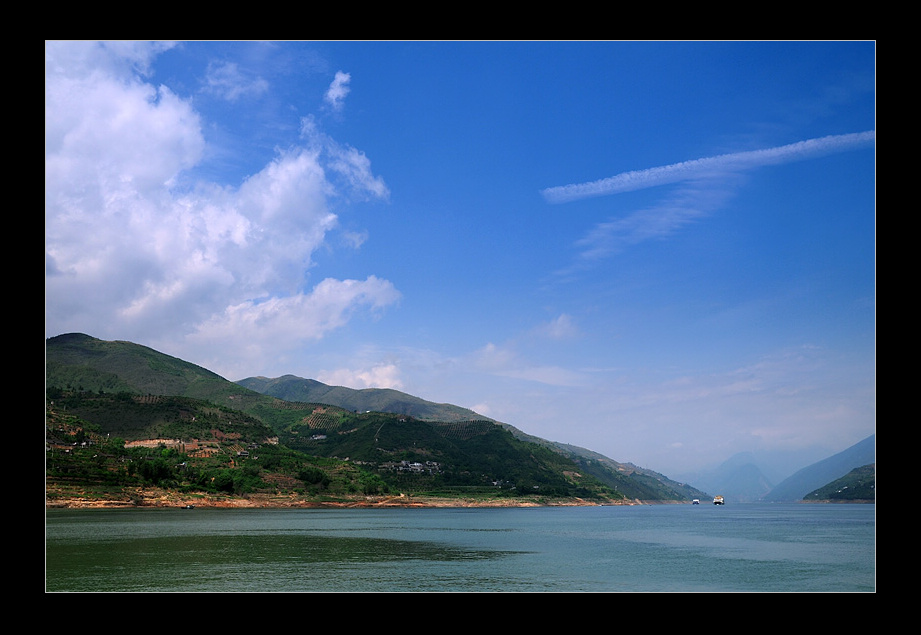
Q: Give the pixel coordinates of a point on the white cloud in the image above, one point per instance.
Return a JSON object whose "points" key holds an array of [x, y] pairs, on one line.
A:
{"points": [[355, 167], [129, 255], [709, 167], [338, 90], [296, 318], [227, 81], [107, 137], [708, 184], [380, 376], [561, 327], [506, 362], [354, 239], [79, 58], [482, 408], [350, 166], [659, 221]]}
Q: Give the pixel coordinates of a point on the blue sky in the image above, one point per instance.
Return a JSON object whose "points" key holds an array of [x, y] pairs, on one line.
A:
{"points": [[661, 251]]}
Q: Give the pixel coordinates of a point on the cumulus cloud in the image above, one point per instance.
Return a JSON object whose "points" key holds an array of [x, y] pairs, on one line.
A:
{"points": [[131, 255], [300, 316]]}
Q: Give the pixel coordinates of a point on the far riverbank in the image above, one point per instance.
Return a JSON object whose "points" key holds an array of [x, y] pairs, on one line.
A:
{"points": [[57, 496]]}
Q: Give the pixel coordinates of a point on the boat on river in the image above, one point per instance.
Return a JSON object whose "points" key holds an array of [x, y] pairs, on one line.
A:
{"points": [[718, 500]]}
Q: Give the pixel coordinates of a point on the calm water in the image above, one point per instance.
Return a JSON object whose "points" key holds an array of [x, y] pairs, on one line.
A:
{"points": [[742, 547]]}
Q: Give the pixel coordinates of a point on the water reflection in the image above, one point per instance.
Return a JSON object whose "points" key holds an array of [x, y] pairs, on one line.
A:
{"points": [[211, 562]]}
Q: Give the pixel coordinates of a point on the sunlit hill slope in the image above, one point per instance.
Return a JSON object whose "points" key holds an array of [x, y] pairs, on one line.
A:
{"points": [[389, 441]]}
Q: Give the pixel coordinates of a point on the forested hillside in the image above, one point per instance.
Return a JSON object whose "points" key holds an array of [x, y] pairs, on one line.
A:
{"points": [[167, 412], [633, 482], [858, 485]]}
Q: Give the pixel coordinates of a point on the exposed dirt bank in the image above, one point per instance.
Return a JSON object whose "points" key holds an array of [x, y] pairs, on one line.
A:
{"points": [[56, 497]]}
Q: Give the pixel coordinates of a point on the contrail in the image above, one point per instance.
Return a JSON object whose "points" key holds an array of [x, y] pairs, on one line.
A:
{"points": [[639, 179]]}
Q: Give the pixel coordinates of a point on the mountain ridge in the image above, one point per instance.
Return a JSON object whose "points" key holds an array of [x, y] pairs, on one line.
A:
{"points": [[294, 388], [640, 483], [82, 365], [86, 364]]}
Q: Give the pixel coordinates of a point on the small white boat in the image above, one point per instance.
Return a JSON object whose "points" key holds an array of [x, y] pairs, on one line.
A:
{"points": [[696, 501], [717, 500]]}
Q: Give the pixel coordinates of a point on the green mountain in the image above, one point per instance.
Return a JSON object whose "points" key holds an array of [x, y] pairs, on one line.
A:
{"points": [[131, 392], [858, 485], [633, 482]]}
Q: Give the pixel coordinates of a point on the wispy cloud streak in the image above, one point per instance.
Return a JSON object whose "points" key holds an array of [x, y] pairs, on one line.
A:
{"points": [[709, 166]]}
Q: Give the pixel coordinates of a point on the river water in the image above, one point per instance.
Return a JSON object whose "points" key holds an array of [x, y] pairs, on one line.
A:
{"points": [[650, 548]]}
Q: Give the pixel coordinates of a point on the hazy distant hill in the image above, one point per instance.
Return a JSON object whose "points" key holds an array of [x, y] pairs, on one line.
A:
{"points": [[737, 480], [636, 482], [824, 472]]}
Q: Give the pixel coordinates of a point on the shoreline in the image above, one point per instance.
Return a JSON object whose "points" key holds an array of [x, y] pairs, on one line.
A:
{"points": [[142, 498]]}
